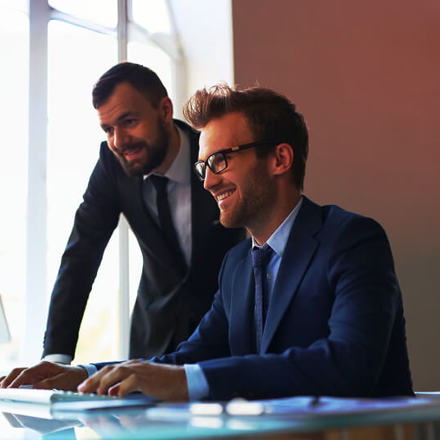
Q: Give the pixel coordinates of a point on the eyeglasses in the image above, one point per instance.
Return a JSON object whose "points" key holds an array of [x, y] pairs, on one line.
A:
{"points": [[217, 162]]}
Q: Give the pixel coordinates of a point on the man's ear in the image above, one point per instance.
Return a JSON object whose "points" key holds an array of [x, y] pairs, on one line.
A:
{"points": [[166, 109], [282, 159]]}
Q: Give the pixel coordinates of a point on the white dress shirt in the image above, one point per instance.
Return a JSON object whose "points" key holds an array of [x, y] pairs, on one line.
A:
{"points": [[179, 195]]}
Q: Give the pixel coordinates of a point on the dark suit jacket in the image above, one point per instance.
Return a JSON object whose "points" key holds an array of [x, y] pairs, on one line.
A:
{"points": [[334, 325], [168, 307]]}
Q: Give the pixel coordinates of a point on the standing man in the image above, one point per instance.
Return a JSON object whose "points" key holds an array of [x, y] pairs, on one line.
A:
{"points": [[144, 172], [309, 305]]}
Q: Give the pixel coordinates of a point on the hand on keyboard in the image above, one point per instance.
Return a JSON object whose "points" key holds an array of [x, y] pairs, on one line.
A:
{"points": [[161, 381], [46, 375]]}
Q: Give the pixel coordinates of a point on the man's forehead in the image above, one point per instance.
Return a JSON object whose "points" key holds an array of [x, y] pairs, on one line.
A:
{"points": [[125, 99], [110, 112], [229, 130]]}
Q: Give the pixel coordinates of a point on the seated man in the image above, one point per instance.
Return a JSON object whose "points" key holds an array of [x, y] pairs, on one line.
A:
{"points": [[309, 305]]}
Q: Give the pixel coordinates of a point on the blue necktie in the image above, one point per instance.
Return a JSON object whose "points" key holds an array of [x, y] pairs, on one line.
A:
{"points": [[166, 221], [260, 258]]}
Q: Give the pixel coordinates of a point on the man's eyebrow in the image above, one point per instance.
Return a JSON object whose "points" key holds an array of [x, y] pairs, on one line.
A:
{"points": [[120, 118], [126, 115]]}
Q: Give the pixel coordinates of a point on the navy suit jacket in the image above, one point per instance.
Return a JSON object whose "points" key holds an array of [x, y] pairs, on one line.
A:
{"points": [[334, 325]]}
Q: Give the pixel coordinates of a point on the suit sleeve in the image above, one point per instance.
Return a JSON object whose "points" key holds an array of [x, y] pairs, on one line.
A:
{"points": [[94, 222], [347, 362], [209, 340]]}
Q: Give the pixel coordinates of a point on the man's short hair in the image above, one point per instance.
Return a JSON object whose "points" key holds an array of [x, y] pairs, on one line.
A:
{"points": [[143, 79], [271, 117]]}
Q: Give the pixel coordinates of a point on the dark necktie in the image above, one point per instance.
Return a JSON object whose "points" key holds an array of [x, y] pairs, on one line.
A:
{"points": [[165, 219], [260, 258]]}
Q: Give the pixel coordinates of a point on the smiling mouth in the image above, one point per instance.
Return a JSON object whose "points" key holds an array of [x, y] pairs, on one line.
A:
{"points": [[224, 195], [128, 153]]}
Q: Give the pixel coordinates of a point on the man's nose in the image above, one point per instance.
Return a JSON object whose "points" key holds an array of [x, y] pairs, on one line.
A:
{"points": [[211, 179], [120, 138]]}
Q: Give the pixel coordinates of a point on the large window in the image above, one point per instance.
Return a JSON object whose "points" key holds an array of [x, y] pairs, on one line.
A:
{"points": [[77, 57], [14, 35], [45, 168]]}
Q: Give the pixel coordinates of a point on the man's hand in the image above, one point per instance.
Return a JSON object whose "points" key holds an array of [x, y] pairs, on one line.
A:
{"points": [[46, 375], [165, 382]]}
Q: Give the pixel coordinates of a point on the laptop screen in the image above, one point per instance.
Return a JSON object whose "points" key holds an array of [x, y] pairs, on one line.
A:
{"points": [[4, 329]]}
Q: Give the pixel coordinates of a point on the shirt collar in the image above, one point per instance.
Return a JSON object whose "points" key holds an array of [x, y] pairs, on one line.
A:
{"points": [[179, 170], [278, 240]]}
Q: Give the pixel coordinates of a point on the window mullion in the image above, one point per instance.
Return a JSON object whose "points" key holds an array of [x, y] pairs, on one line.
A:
{"points": [[122, 29], [124, 286], [36, 230], [80, 22]]}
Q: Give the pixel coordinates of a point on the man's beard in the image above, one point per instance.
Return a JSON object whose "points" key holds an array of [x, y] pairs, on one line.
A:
{"points": [[155, 155], [257, 193]]}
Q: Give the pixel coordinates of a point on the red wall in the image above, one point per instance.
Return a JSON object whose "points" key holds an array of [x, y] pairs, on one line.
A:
{"points": [[366, 76]]}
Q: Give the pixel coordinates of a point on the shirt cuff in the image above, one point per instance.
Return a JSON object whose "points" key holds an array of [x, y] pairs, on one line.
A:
{"points": [[198, 387], [90, 368], [60, 358]]}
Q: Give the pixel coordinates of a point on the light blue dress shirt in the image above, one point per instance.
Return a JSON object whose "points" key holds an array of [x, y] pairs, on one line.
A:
{"points": [[198, 387]]}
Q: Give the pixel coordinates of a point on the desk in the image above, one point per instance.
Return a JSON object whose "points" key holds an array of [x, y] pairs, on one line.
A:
{"points": [[410, 420]]}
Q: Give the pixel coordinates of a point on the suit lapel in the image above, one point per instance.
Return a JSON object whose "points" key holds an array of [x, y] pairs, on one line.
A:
{"points": [[242, 338], [300, 249]]}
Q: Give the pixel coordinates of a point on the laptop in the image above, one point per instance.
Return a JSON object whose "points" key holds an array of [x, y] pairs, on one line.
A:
{"points": [[5, 336]]}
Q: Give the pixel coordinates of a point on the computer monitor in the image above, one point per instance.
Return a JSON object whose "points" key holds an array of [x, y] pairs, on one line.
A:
{"points": [[5, 336]]}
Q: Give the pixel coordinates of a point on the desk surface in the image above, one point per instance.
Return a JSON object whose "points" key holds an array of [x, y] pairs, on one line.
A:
{"points": [[282, 419]]}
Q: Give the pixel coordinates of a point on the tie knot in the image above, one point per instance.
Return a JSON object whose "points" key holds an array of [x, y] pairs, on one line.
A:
{"points": [[261, 256], [159, 182]]}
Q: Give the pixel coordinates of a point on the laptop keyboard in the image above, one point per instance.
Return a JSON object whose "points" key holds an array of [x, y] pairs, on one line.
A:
{"points": [[30, 395]]}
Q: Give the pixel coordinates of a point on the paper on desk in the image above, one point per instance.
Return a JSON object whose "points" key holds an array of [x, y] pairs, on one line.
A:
{"points": [[334, 405], [301, 406]]}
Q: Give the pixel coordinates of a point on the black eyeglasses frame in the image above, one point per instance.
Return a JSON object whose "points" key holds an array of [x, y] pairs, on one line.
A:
{"points": [[235, 149]]}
